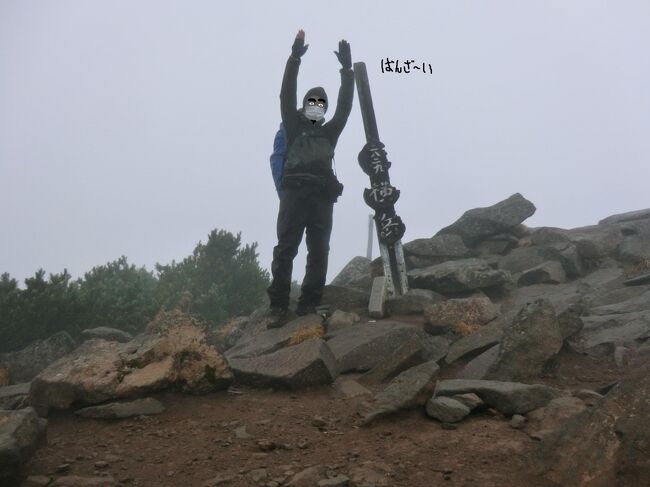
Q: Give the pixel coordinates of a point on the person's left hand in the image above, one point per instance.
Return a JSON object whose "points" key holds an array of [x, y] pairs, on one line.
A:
{"points": [[343, 54]]}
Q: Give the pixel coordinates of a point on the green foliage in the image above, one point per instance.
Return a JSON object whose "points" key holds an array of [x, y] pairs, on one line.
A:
{"points": [[118, 295], [218, 281], [44, 307]]}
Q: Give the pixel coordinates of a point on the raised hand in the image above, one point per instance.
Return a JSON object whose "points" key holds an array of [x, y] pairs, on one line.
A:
{"points": [[299, 48], [343, 54]]}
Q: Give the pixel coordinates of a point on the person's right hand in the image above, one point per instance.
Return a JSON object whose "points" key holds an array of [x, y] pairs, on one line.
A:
{"points": [[299, 48]]}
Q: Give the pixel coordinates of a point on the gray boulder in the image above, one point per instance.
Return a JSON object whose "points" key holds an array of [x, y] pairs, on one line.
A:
{"points": [[14, 397], [507, 397], [410, 388], [634, 250], [499, 244], [20, 433], [176, 356], [298, 366], [549, 272], [528, 343], [425, 252], [106, 333], [446, 409], [606, 444], [459, 314], [341, 319], [479, 223], [25, 364], [626, 217], [523, 258], [355, 274], [458, 276], [361, 347], [555, 413], [123, 409], [592, 242]]}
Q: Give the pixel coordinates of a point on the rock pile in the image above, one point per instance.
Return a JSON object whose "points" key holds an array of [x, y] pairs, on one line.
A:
{"points": [[492, 304]]}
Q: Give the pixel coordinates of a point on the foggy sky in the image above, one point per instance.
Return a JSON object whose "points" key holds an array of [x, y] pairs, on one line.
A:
{"points": [[135, 128]]}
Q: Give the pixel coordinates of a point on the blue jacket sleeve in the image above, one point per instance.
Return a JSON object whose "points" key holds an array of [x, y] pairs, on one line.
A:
{"points": [[277, 157]]}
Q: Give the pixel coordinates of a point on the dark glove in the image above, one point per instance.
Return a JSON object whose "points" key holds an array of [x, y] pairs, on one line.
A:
{"points": [[345, 58], [299, 48]]}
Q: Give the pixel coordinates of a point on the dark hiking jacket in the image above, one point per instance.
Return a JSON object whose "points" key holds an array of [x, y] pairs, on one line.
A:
{"points": [[310, 146]]}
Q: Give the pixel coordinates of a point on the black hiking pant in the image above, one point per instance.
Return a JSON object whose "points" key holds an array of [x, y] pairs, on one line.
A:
{"points": [[307, 208]]}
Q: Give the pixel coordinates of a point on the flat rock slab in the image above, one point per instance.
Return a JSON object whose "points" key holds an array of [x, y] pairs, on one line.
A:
{"points": [[458, 276], [638, 280], [631, 305], [119, 410], [107, 333], [14, 397], [507, 397], [20, 433], [479, 223], [478, 367], [424, 252], [361, 347], [626, 217], [407, 390], [307, 364], [408, 355], [272, 340], [601, 334], [486, 337]]}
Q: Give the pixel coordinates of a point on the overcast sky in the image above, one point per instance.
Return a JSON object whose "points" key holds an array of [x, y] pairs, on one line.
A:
{"points": [[135, 128]]}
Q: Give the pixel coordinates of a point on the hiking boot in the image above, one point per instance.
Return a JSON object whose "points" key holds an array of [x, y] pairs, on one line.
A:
{"points": [[278, 317]]}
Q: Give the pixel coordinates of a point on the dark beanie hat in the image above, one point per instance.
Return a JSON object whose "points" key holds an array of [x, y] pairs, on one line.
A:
{"points": [[317, 92]]}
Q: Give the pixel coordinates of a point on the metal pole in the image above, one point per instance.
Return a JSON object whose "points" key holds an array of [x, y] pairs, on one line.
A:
{"points": [[369, 249]]}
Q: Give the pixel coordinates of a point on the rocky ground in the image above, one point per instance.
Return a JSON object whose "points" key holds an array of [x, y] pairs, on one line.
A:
{"points": [[520, 356], [244, 436]]}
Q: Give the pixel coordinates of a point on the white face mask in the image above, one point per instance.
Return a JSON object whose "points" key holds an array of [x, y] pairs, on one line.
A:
{"points": [[314, 112]]}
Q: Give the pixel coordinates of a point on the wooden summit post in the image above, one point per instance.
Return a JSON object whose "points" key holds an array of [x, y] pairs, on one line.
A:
{"points": [[381, 196]]}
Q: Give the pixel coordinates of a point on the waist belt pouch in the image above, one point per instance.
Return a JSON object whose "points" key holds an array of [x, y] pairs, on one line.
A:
{"points": [[334, 187]]}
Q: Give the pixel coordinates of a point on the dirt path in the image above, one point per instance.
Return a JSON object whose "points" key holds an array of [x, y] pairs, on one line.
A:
{"points": [[255, 437]]}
